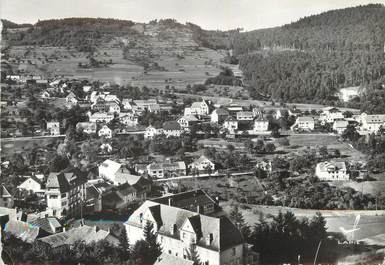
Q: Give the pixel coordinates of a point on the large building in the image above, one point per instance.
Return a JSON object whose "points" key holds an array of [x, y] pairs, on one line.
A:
{"points": [[303, 123], [166, 169], [179, 227], [372, 123], [65, 192]]}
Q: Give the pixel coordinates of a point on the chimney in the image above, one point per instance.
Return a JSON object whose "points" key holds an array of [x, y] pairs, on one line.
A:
{"points": [[169, 201], [199, 209]]}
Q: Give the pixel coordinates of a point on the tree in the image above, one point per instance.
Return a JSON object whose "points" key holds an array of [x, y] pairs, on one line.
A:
{"points": [[237, 218], [323, 151], [193, 255], [124, 244], [269, 148], [154, 248]]}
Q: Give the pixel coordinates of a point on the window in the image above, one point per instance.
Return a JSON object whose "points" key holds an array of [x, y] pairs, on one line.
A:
{"points": [[53, 196], [169, 251], [234, 251]]}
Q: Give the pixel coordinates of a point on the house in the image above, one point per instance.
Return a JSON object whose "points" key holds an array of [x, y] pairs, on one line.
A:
{"points": [[53, 127], [94, 194], [303, 123], [264, 165], [231, 124], [198, 108], [187, 121], [172, 129], [152, 131], [329, 114], [234, 108], [101, 117], [348, 93], [105, 132], [219, 115], [128, 118], [202, 164], [65, 192], [166, 169], [148, 104], [331, 171], [280, 113], [260, 124], [372, 123], [245, 116], [32, 185], [71, 98], [85, 233], [50, 225], [45, 95], [108, 170], [216, 239], [6, 197], [258, 111], [340, 125], [86, 127]]}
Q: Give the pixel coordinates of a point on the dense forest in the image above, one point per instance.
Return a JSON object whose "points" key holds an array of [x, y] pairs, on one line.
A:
{"points": [[310, 59]]}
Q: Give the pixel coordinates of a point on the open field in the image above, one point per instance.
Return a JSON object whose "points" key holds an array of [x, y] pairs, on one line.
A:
{"points": [[9, 147], [371, 187]]}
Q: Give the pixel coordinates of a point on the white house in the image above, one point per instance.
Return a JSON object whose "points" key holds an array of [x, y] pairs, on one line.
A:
{"points": [[331, 171], [217, 240], [198, 108], [329, 114], [166, 169], [105, 132], [340, 125], [219, 116], [113, 107], [231, 124], [303, 123], [128, 118], [71, 98], [261, 124], [151, 132], [202, 164], [372, 123], [187, 121], [108, 169], [32, 184], [348, 93], [53, 127]]}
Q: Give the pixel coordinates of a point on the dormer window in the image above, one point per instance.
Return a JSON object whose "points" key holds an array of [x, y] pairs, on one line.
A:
{"points": [[173, 229], [141, 217]]}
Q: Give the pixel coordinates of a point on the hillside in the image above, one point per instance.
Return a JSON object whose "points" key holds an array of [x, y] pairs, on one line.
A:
{"points": [[313, 57]]}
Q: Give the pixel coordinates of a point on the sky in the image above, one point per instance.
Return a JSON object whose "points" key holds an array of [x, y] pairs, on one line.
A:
{"points": [[209, 14]]}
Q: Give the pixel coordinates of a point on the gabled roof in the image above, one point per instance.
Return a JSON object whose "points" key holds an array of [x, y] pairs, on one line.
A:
{"points": [[112, 166], [4, 193], [305, 119], [86, 126], [331, 166], [189, 118], [201, 159], [231, 118], [46, 224], [66, 179]]}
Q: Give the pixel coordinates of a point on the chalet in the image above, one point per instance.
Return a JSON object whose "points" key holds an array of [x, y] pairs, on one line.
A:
{"points": [[340, 125], [86, 127], [172, 128], [303, 123], [331, 171], [53, 127], [166, 169], [202, 164], [245, 116], [101, 117], [219, 115], [105, 132], [152, 131]]}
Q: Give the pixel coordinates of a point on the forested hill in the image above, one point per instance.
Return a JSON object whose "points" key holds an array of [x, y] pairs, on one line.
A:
{"points": [[310, 59]]}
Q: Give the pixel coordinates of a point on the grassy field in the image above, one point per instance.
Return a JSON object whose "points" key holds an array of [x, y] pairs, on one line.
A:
{"points": [[10, 147]]}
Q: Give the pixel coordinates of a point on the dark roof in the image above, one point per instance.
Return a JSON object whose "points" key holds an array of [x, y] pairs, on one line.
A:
{"points": [[64, 180], [46, 224], [171, 125], [126, 189]]}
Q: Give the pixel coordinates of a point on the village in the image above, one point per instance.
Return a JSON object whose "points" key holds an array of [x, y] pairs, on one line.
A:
{"points": [[169, 155]]}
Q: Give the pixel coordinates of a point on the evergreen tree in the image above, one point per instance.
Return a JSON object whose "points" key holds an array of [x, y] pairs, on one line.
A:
{"points": [[124, 244], [155, 249], [193, 255]]}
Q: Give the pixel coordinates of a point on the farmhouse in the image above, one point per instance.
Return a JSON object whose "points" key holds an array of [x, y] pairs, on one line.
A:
{"points": [[219, 115], [105, 132], [217, 239], [331, 171], [202, 164], [303, 123]]}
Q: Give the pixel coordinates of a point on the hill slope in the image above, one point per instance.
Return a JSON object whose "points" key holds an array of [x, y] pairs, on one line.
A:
{"points": [[313, 57]]}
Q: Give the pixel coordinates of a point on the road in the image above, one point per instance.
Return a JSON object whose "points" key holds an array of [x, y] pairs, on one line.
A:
{"points": [[216, 174], [15, 139]]}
